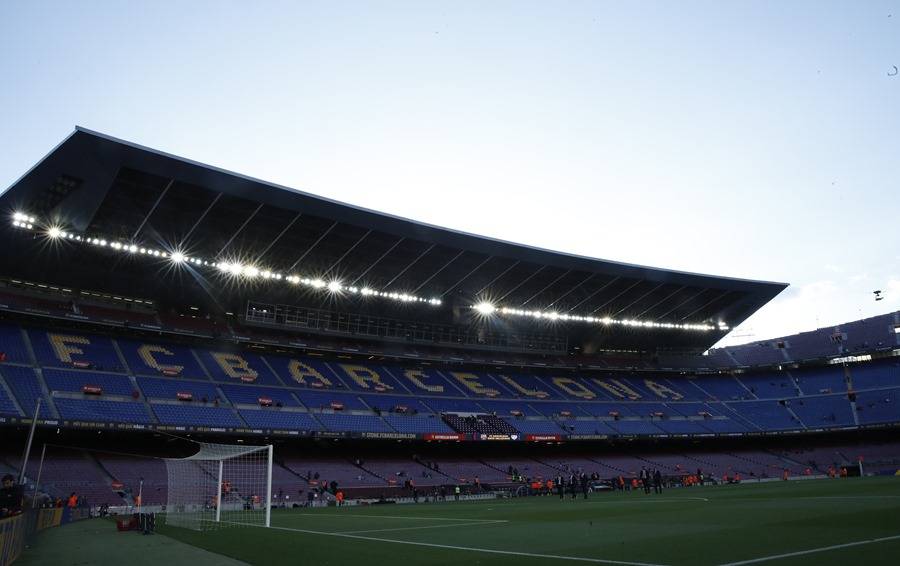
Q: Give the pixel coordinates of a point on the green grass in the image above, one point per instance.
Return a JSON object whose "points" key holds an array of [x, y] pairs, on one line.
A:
{"points": [[851, 520]]}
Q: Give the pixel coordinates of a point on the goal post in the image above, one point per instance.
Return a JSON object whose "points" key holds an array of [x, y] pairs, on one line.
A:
{"points": [[220, 486]]}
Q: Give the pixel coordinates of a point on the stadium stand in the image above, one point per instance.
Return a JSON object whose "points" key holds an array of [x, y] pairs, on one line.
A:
{"points": [[433, 390]]}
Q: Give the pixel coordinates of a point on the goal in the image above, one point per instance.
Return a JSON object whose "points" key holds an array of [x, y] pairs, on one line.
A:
{"points": [[220, 486]]}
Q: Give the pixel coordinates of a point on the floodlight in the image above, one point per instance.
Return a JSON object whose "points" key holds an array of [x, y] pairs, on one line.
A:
{"points": [[485, 308]]}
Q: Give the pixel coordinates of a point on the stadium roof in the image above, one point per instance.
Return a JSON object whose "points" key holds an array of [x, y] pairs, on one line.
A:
{"points": [[107, 196]]}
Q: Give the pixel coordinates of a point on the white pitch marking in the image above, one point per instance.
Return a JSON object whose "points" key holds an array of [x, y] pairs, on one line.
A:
{"points": [[811, 551], [485, 550]]}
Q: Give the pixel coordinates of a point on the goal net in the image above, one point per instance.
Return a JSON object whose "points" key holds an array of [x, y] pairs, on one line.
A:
{"points": [[220, 486]]}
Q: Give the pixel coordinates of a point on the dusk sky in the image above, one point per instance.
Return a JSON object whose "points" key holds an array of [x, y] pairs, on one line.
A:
{"points": [[752, 139]]}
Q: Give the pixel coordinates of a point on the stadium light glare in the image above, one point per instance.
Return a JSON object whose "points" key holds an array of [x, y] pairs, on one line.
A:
{"points": [[485, 308], [178, 257], [54, 232], [23, 220], [334, 286]]}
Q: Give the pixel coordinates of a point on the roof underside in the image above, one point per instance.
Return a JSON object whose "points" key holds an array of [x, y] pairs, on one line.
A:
{"points": [[97, 186]]}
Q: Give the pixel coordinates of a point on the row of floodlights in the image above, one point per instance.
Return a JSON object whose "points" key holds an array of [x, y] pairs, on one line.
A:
{"points": [[333, 286], [234, 268], [239, 269], [488, 309]]}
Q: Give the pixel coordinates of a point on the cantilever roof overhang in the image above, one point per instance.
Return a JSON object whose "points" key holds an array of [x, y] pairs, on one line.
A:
{"points": [[97, 186]]}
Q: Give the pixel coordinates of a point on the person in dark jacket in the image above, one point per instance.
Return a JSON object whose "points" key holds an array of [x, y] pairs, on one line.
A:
{"points": [[11, 496]]}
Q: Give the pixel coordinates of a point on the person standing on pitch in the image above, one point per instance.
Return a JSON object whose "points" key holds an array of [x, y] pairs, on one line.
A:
{"points": [[645, 479]]}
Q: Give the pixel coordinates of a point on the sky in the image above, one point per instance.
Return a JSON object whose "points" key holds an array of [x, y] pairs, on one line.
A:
{"points": [[753, 139]]}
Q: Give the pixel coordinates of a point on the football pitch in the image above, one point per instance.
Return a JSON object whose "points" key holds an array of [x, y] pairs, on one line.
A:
{"points": [[832, 521]]}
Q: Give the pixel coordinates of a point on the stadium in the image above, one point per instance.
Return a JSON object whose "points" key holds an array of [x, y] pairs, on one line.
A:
{"points": [[183, 341]]}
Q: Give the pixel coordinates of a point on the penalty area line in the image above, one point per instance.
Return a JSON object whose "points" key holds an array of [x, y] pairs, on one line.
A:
{"points": [[471, 549], [811, 551]]}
